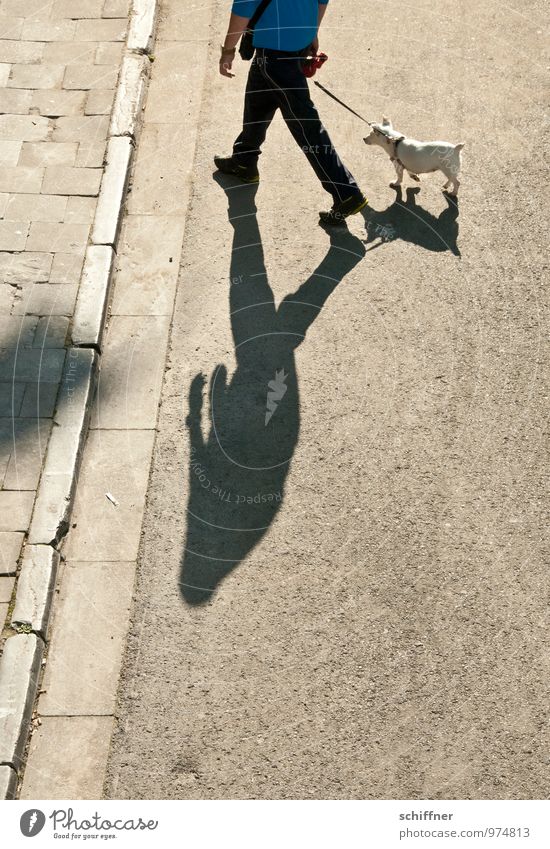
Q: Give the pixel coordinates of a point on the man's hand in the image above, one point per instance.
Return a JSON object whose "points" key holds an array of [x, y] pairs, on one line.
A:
{"points": [[315, 45], [226, 63], [237, 26]]}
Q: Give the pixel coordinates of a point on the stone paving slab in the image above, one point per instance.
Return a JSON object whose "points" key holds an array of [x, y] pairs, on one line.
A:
{"points": [[15, 101], [13, 52], [11, 26], [45, 208], [146, 277], [31, 365], [115, 462], [38, 400], [15, 510], [41, 76], [91, 154], [70, 129], [133, 363], [80, 210], [99, 102], [36, 154], [86, 77], [21, 179], [70, 52], [64, 755], [46, 300], [26, 267], [101, 30], [8, 782], [13, 234], [26, 440], [54, 103], [9, 150], [6, 589], [21, 128], [51, 332], [173, 23], [89, 630], [10, 547], [162, 171], [61, 180]]}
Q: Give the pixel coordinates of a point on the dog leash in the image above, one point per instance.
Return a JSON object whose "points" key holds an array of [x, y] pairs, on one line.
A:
{"points": [[395, 141], [341, 102]]}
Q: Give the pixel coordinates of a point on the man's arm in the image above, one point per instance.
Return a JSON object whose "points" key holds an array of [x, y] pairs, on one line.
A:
{"points": [[237, 25], [321, 14]]}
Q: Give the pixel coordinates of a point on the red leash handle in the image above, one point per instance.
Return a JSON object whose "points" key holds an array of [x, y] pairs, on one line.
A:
{"points": [[312, 65]]}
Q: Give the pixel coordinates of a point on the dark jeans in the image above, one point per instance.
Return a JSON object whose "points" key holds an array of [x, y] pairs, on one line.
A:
{"points": [[276, 82]]}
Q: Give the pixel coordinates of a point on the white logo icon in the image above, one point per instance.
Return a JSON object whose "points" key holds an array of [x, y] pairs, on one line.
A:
{"points": [[277, 391]]}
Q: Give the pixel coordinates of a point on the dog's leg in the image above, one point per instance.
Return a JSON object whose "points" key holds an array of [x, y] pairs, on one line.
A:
{"points": [[399, 172], [451, 174], [452, 179]]}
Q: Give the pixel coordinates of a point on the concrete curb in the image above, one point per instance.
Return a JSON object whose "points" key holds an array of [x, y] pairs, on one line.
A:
{"points": [[52, 508], [113, 191], [129, 97], [35, 589], [21, 662], [143, 25], [19, 672], [91, 308]]}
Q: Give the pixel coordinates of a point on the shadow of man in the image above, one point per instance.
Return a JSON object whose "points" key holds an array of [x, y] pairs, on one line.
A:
{"points": [[413, 223], [237, 474]]}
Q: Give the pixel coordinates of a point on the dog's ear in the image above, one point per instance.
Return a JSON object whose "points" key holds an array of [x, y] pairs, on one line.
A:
{"points": [[386, 122]]}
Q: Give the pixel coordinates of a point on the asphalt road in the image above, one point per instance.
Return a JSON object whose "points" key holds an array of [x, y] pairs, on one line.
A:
{"points": [[348, 598]]}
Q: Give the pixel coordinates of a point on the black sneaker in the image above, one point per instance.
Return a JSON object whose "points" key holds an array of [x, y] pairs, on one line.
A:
{"points": [[245, 173], [343, 208]]}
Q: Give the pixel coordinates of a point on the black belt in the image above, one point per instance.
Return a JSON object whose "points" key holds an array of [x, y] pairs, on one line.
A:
{"points": [[268, 53]]}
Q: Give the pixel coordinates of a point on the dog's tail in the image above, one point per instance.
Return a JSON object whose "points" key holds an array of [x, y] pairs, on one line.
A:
{"points": [[459, 146]]}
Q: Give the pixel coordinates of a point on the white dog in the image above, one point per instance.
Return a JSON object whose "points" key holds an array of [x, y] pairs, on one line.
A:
{"points": [[418, 157]]}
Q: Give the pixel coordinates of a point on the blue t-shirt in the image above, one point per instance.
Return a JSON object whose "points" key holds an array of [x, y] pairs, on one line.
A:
{"points": [[285, 25]]}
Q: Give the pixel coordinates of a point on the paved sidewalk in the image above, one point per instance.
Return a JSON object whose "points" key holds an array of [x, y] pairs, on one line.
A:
{"points": [[77, 705], [60, 62], [70, 92]]}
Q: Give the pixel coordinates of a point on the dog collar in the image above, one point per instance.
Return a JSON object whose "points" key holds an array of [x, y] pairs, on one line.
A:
{"points": [[395, 157]]}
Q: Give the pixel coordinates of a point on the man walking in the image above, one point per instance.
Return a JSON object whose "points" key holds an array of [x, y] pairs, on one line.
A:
{"points": [[285, 33]]}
